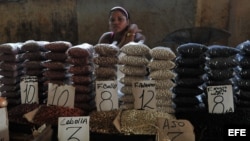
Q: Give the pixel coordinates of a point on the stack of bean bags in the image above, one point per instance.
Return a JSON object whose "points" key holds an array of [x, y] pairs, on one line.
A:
{"points": [[105, 61], [133, 61], [80, 58], [161, 71], [243, 74], [190, 63], [55, 65], [11, 72], [33, 57], [220, 66]]}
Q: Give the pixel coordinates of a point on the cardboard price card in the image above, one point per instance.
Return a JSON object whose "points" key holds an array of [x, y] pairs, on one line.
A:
{"points": [[73, 128], [220, 99], [144, 95], [29, 90], [61, 95], [106, 95], [4, 130], [175, 130]]}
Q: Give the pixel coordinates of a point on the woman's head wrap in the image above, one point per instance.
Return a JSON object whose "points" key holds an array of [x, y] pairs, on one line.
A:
{"points": [[121, 9]]}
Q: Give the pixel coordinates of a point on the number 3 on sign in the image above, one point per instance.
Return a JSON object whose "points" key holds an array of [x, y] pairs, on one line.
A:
{"points": [[61, 95]]}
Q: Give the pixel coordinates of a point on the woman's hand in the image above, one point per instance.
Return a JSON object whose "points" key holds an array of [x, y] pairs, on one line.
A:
{"points": [[130, 34]]}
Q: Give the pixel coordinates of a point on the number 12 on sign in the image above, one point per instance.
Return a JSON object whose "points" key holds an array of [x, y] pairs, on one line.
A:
{"points": [[144, 95]]}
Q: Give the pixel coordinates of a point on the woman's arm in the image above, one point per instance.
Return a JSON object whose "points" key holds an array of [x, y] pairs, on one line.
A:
{"points": [[105, 38]]}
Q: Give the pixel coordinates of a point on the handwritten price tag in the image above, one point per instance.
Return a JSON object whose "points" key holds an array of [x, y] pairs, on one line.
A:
{"points": [[29, 90], [144, 95], [175, 130], [220, 99], [106, 95], [63, 95], [73, 128], [4, 130]]}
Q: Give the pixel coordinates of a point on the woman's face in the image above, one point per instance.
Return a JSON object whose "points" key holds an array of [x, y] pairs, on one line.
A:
{"points": [[117, 21]]}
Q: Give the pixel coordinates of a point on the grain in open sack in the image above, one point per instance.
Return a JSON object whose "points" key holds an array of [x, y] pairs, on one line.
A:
{"points": [[135, 49], [34, 46], [10, 48], [162, 53], [162, 74], [104, 49], [139, 122], [128, 80], [133, 70], [160, 64], [102, 121], [81, 50], [133, 60], [105, 72], [105, 60], [58, 46], [50, 114]]}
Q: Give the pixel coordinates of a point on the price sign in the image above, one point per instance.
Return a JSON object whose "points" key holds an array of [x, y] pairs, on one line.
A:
{"points": [[175, 130], [144, 95], [29, 90], [106, 95], [220, 99], [73, 128], [61, 95], [4, 130]]}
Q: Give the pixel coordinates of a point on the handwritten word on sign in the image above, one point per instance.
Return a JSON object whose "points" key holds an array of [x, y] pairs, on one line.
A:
{"points": [[106, 95], [144, 95], [29, 90], [61, 95], [4, 130], [175, 130], [220, 99], [73, 128]]}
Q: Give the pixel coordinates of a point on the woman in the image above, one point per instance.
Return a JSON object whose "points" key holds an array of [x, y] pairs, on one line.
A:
{"points": [[122, 31]]}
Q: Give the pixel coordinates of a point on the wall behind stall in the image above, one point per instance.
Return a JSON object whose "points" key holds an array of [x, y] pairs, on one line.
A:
{"points": [[80, 21]]}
